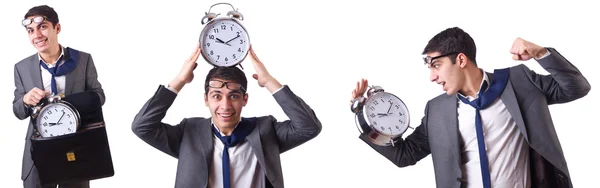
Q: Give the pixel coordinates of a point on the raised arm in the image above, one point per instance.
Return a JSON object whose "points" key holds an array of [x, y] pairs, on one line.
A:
{"points": [[303, 124], [148, 124], [565, 82]]}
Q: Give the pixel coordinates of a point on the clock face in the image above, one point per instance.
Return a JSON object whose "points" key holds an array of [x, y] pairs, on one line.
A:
{"points": [[224, 42], [56, 119], [387, 114]]}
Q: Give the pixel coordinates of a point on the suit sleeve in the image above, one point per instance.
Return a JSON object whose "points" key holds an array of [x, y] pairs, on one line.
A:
{"points": [[303, 124], [565, 82], [92, 83], [19, 109], [148, 125], [409, 151]]}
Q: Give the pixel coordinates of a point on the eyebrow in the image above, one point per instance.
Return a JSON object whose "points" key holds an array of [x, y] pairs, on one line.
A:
{"points": [[41, 24]]}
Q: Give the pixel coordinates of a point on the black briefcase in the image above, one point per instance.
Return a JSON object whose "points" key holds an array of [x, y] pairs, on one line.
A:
{"points": [[80, 156]]}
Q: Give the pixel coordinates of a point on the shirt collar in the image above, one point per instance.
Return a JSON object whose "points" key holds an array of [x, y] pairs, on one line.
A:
{"points": [[213, 124], [485, 79], [62, 53]]}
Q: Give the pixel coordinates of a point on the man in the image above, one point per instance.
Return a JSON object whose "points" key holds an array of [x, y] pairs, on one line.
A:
{"points": [[206, 157], [53, 70], [508, 109]]}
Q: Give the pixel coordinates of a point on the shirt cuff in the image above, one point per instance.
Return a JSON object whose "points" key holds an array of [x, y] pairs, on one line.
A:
{"points": [[279, 89], [545, 55], [169, 87]]}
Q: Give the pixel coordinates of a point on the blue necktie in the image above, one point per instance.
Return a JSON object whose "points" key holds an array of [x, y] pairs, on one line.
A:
{"points": [[238, 135], [62, 69], [484, 100]]}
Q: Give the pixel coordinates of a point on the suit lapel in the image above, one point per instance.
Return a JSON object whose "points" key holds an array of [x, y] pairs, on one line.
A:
{"points": [[36, 73], [510, 101], [254, 139], [70, 77]]}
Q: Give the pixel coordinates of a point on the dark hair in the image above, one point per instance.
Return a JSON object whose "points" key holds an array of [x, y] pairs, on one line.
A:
{"points": [[452, 40], [43, 10], [227, 73]]}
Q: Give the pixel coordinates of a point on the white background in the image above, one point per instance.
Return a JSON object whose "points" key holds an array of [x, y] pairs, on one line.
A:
{"points": [[320, 49]]}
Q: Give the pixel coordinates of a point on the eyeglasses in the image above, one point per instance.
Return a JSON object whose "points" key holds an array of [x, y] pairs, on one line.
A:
{"points": [[229, 85], [37, 19], [428, 59]]}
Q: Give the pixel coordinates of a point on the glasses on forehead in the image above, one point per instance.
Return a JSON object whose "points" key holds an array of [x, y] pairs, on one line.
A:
{"points": [[428, 59], [37, 19], [229, 85]]}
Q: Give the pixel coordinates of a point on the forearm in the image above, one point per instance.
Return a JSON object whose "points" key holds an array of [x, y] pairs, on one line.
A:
{"points": [[176, 85], [19, 109], [303, 123], [565, 83], [273, 85], [404, 152], [149, 127]]}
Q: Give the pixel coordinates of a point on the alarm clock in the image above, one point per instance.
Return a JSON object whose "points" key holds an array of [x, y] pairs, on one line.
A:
{"points": [[224, 40], [55, 117], [382, 116]]}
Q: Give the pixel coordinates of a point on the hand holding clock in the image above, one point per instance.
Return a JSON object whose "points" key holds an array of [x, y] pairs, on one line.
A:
{"points": [[262, 75], [34, 96], [361, 88]]}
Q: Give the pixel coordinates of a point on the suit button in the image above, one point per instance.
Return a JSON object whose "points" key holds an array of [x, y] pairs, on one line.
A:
{"points": [[458, 179]]}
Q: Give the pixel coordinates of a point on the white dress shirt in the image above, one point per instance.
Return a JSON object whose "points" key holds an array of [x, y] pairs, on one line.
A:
{"points": [[507, 149], [244, 168], [47, 77]]}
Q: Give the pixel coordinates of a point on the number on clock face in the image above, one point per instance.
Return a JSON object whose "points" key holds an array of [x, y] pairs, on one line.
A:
{"points": [[55, 120], [387, 114], [225, 42]]}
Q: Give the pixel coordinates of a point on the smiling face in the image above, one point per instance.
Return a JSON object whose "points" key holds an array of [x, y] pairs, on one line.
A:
{"points": [[446, 73], [43, 35], [225, 100]]}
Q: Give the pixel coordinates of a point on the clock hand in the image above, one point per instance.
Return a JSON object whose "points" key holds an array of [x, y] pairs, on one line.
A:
{"points": [[61, 116], [221, 41], [232, 39], [381, 114], [388, 112]]}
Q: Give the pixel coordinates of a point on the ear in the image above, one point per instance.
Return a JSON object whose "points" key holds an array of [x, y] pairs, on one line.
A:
{"points": [[462, 60], [205, 99], [245, 99], [57, 28]]}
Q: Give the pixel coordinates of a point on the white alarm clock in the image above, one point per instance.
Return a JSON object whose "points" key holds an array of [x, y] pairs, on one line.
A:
{"points": [[382, 116], [224, 40], [55, 117]]}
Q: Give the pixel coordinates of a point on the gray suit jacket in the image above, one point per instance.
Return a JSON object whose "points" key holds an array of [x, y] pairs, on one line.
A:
{"points": [[28, 75], [191, 141], [526, 96]]}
